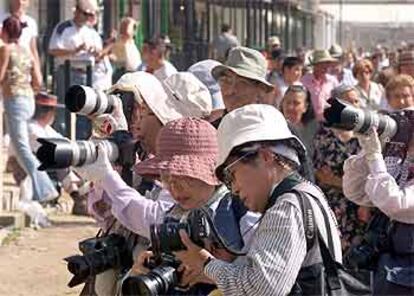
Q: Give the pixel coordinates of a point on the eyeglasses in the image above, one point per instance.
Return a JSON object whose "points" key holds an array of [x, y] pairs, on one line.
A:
{"points": [[297, 88], [232, 81], [88, 14], [228, 177]]}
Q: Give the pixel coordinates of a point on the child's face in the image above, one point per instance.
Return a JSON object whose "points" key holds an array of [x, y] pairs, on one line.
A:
{"points": [[401, 98]]}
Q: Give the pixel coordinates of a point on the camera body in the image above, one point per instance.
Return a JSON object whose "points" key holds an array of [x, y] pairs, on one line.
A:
{"points": [[165, 238], [99, 255]]}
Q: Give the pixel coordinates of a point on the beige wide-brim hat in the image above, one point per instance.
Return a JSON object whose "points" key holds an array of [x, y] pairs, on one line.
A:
{"points": [[253, 123], [245, 62], [322, 56]]}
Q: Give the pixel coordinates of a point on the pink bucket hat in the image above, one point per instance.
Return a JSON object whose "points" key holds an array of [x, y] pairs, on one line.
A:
{"points": [[185, 147]]}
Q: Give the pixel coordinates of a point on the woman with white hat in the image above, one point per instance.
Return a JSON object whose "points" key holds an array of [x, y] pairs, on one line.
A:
{"points": [[258, 163]]}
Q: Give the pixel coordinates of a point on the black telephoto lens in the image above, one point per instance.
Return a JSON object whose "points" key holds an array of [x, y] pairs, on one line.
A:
{"points": [[158, 281]]}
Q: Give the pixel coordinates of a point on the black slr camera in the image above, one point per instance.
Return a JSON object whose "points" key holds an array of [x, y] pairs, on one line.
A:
{"points": [[163, 278], [99, 255]]}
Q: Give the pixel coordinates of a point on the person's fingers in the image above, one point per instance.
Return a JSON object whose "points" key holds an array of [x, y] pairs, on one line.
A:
{"points": [[187, 241]]}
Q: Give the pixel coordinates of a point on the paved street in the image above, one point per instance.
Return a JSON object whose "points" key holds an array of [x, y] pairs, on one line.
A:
{"points": [[32, 264]]}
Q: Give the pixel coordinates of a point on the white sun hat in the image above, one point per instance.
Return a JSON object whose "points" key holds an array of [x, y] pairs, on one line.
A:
{"points": [[253, 123]]}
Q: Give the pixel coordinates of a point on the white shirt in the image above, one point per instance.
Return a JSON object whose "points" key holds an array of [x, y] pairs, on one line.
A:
{"points": [[28, 33], [67, 35], [165, 71], [369, 184], [37, 131]]}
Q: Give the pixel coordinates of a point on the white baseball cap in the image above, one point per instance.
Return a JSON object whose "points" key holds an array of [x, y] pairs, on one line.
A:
{"points": [[253, 123]]}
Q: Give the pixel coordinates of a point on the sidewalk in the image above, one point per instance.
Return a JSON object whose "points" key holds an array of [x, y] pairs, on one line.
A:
{"points": [[32, 263]]}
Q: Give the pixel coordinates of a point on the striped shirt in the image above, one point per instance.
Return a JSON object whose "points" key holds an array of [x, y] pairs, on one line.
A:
{"points": [[278, 250]]}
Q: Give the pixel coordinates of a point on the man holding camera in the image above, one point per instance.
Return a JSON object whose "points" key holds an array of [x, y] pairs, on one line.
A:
{"points": [[252, 152], [75, 41], [382, 176]]}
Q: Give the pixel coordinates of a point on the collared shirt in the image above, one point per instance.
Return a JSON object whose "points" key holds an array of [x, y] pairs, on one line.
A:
{"points": [[320, 91], [28, 33], [348, 78], [67, 35], [278, 250], [374, 99]]}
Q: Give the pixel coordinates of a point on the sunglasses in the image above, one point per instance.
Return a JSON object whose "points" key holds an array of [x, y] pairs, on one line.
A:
{"points": [[228, 176], [88, 14], [297, 88]]}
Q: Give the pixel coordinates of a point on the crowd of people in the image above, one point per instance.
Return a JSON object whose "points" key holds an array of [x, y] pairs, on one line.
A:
{"points": [[244, 138]]}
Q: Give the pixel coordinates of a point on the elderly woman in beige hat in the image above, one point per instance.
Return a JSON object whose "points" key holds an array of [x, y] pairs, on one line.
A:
{"points": [[251, 151]]}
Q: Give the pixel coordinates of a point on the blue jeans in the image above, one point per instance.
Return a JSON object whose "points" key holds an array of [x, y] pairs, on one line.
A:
{"points": [[18, 111], [62, 121]]}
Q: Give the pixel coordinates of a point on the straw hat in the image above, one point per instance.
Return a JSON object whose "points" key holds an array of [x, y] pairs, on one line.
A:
{"points": [[185, 147], [322, 56]]}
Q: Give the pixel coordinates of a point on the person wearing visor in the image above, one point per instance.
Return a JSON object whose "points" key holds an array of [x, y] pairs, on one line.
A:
{"points": [[251, 151]]}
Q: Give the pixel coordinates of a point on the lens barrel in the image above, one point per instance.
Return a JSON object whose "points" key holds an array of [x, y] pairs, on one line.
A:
{"points": [[59, 153], [85, 100], [342, 115]]}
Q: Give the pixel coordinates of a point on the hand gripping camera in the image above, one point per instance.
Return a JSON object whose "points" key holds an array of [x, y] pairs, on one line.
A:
{"points": [[165, 239]]}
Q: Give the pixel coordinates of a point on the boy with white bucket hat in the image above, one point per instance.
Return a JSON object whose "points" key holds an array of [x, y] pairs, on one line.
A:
{"points": [[252, 151]]}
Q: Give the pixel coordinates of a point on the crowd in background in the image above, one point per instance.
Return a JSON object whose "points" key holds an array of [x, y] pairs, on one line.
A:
{"points": [[240, 107]]}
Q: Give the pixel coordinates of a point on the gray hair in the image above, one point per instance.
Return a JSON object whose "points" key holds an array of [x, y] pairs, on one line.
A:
{"points": [[340, 90]]}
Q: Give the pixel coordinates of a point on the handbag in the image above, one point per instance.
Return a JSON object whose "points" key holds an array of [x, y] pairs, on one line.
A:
{"points": [[329, 277]]}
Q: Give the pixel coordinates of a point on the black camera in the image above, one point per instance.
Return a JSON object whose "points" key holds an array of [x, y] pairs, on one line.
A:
{"points": [[161, 280], [342, 115], [59, 153], [165, 238], [99, 255]]}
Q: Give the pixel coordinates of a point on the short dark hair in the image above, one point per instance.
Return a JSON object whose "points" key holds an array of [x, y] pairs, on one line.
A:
{"points": [[225, 28], [291, 62], [157, 42], [13, 27]]}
